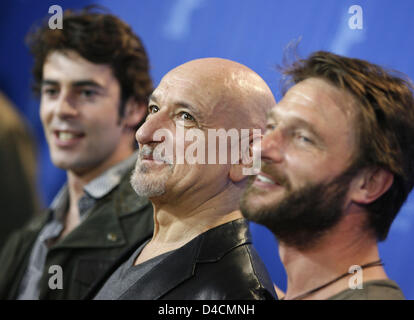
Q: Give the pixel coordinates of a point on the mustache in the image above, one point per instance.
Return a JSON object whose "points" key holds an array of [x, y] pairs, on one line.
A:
{"points": [[156, 154], [275, 173]]}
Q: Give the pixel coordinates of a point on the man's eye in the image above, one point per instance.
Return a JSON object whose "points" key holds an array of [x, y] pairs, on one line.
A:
{"points": [[186, 116], [50, 91], [88, 93], [153, 109], [304, 139], [271, 126]]}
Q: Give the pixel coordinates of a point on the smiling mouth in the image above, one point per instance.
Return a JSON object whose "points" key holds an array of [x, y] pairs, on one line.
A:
{"points": [[66, 138], [149, 159], [264, 179]]}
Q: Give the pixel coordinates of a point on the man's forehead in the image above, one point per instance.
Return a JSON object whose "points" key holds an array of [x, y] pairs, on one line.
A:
{"points": [[310, 91], [317, 95], [194, 79], [70, 65], [176, 86], [172, 78]]}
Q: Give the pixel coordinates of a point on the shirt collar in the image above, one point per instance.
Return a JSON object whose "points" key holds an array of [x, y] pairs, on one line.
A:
{"points": [[60, 203], [106, 182], [97, 188]]}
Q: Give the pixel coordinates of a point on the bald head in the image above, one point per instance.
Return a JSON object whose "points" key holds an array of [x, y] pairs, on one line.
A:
{"points": [[235, 95]]}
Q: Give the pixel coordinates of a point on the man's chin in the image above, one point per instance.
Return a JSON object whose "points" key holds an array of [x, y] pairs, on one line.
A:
{"points": [[261, 199], [64, 164], [254, 202], [148, 184], [151, 191], [75, 164], [152, 168]]}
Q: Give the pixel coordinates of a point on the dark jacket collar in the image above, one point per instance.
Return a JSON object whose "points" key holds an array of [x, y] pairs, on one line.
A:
{"points": [[182, 263], [231, 235]]}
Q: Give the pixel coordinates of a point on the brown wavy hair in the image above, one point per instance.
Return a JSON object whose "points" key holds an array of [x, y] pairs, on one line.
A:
{"points": [[100, 38], [385, 122]]}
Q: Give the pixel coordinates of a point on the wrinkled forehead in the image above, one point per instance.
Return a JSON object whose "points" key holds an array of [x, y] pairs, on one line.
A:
{"points": [[185, 82], [201, 91]]}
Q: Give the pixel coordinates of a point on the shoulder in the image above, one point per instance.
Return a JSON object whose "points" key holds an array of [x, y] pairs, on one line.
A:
{"points": [[228, 266], [239, 274], [15, 254], [372, 290], [28, 232]]}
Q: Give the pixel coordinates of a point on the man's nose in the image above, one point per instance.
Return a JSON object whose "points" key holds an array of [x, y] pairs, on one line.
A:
{"points": [[272, 147], [152, 130], [66, 106]]}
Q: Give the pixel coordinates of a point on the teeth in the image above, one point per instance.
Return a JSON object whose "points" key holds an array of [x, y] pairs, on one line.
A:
{"points": [[65, 136], [264, 179]]}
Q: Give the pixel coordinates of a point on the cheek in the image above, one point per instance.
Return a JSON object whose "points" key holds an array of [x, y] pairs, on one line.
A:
{"points": [[186, 174], [315, 170], [300, 169], [101, 119], [45, 112], [105, 130], [179, 146]]}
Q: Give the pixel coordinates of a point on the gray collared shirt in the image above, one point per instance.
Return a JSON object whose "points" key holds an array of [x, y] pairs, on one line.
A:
{"points": [[93, 191]]}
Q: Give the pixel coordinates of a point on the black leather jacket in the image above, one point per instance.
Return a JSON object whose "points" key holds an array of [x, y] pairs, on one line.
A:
{"points": [[219, 264]]}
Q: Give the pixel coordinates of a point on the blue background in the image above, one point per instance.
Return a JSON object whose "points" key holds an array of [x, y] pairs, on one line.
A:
{"points": [[251, 32]]}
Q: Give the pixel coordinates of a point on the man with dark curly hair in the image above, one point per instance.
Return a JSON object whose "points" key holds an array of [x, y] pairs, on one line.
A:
{"points": [[93, 80]]}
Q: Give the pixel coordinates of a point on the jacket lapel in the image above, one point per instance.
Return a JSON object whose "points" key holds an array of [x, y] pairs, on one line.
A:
{"points": [[168, 274]]}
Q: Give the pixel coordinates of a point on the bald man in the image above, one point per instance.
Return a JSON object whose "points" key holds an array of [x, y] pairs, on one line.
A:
{"points": [[201, 247]]}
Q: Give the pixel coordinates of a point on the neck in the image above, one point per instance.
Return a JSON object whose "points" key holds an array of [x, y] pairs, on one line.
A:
{"points": [[311, 268], [77, 180], [177, 223]]}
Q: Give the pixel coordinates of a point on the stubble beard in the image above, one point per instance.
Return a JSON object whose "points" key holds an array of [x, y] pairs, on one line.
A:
{"points": [[304, 215], [146, 184]]}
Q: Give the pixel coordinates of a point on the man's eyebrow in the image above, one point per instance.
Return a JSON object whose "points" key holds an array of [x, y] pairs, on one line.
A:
{"points": [[152, 97], [80, 83], [47, 82], [188, 106], [181, 104], [299, 122], [270, 115], [84, 83]]}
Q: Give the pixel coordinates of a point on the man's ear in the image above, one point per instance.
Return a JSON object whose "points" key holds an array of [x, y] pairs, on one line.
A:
{"points": [[236, 172], [370, 184], [247, 163], [134, 113]]}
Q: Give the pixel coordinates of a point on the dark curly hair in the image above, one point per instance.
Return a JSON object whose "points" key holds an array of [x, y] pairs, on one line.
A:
{"points": [[385, 122], [100, 38]]}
